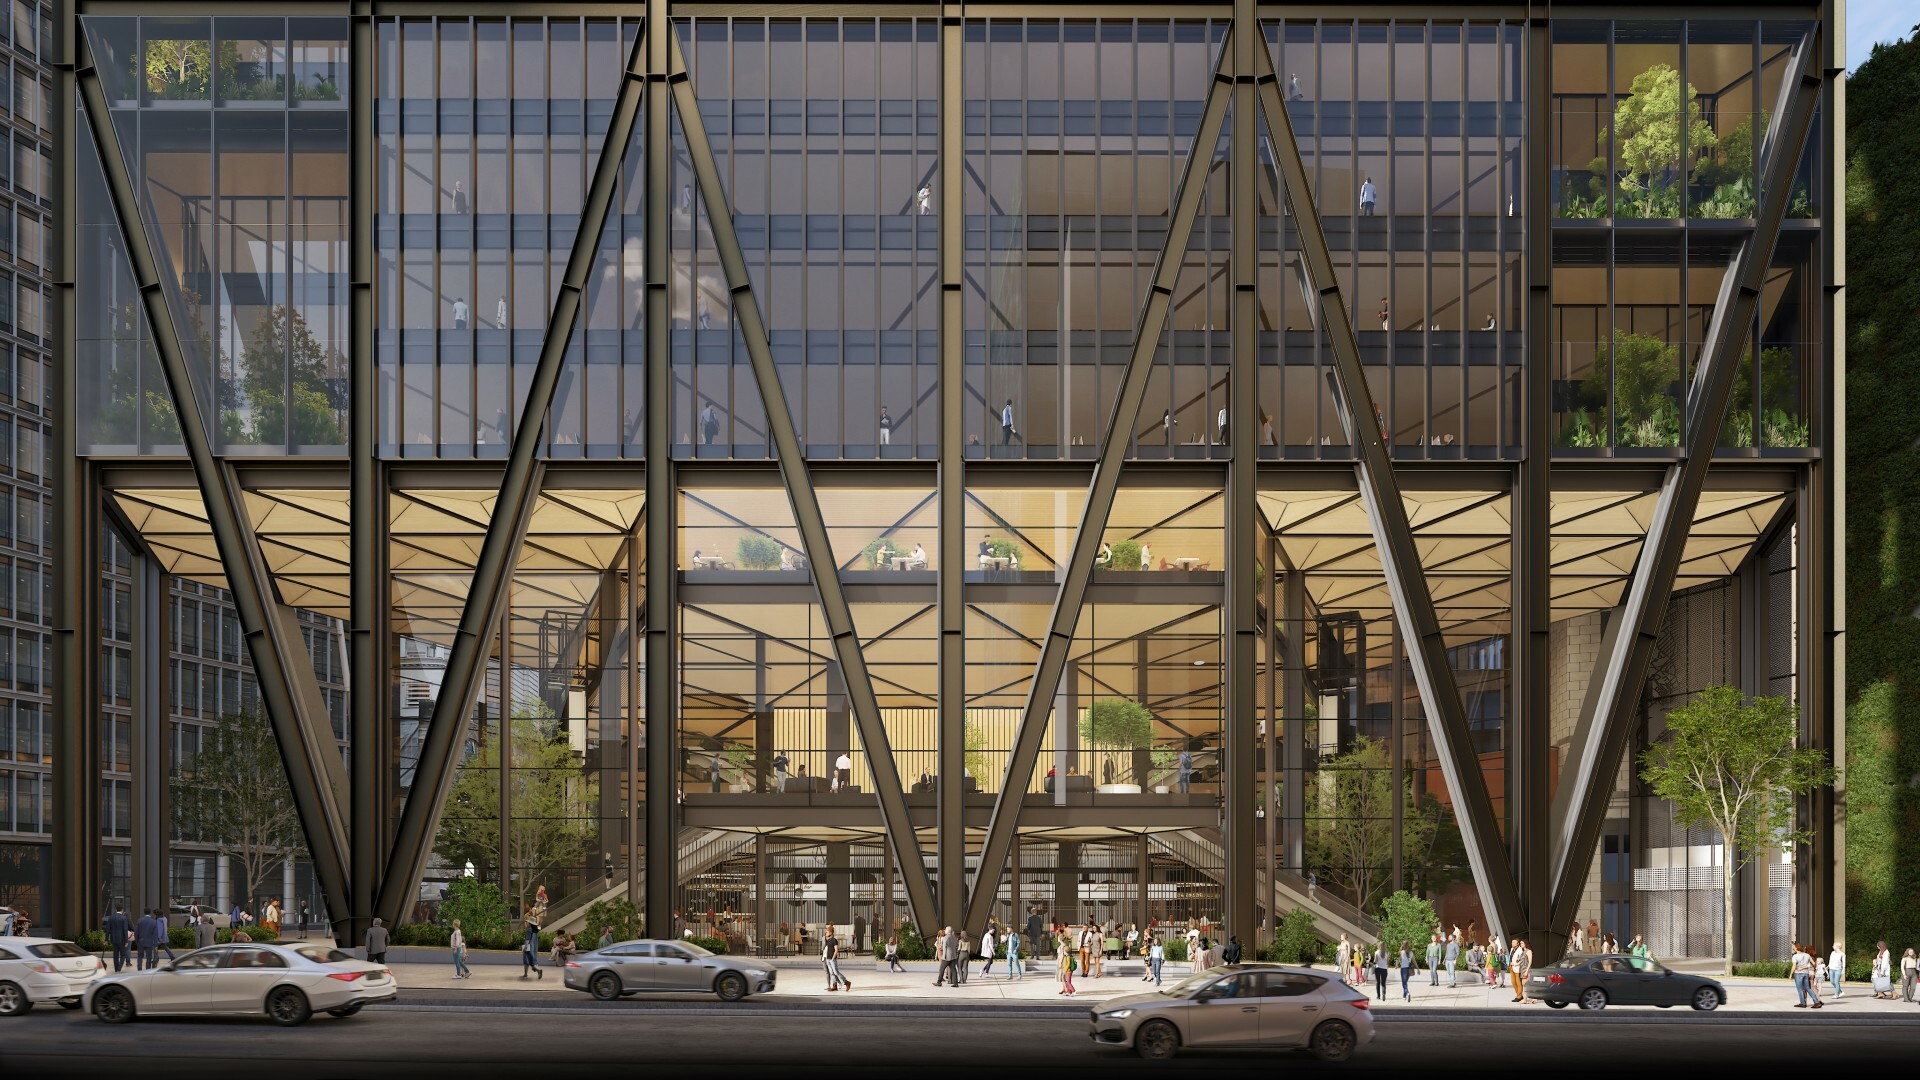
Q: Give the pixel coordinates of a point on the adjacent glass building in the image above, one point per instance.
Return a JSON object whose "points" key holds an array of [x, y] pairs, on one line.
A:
{"points": [[940, 462]]}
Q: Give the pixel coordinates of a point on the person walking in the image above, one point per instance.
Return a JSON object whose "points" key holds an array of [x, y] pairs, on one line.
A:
{"points": [[987, 945], [886, 427], [119, 936], [376, 943], [1837, 970], [1819, 974], [1015, 968], [1186, 769], [1343, 958], [1007, 434], [1519, 963], [1368, 196], [1406, 971], [1380, 964], [830, 959], [780, 763], [306, 916], [963, 959], [1089, 944], [1882, 972], [146, 941], [1909, 971], [1069, 960], [457, 941], [1453, 961], [1156, 956], [163, 942], [950, 959], [1233, 952], [1434, 949], [893, 955], [1801, 966], [530, 951], [204, 932], [709, 424], [270, 918]]}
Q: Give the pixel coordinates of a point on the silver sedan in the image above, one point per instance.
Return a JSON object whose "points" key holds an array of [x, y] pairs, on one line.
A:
{"points": [[286, 983], [635, 967], [1240, 1006]]}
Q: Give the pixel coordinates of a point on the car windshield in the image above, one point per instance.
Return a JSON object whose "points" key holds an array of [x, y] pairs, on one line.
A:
{"points": [[320, 954], [1188, 986], [55, 950]]}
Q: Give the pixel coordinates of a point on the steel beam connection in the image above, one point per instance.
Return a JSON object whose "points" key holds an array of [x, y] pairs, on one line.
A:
{"points": [[1100, 491], [1588, 785], [806, 506]]}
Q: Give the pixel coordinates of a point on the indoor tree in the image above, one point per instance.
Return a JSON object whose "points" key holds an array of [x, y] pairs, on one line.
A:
{"points": [[1654, 126], [1732, 765], [1349, 825]]}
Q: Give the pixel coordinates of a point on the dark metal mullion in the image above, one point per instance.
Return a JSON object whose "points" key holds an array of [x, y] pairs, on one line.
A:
{"points": [[291, 694], [1100, 495], [806, 506], [950, 703], [1241, 901], [1602, 735], [1399, 557], [519, 493]]}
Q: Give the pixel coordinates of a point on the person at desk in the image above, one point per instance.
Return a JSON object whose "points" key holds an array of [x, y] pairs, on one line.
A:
{"points": [[696, 558], [919, 557], [1489, 323], [883, 555], [1105, 559], [786, 559], [986, 552]]}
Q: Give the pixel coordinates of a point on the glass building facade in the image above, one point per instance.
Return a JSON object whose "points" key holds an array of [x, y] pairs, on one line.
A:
{"points": [[909, 467]]}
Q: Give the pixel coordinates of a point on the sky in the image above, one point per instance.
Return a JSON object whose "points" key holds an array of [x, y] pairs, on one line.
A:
{"points": [[1870, 21]]}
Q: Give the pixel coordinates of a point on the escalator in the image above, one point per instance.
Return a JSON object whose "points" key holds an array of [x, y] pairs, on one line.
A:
{"points": [[1200, 849], [700, 850]]}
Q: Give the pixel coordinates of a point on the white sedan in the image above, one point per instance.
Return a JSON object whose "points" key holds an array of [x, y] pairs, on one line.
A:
{"points": [[41, 971], [287, 983]]}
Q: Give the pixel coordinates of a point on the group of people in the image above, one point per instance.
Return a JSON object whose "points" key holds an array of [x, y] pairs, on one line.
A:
{"points": [[1815, 976], [1497, 961]]}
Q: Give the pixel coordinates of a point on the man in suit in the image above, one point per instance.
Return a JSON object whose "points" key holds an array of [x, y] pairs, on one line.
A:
{"points": [[203, 932], [146, 940], [119, 936]]}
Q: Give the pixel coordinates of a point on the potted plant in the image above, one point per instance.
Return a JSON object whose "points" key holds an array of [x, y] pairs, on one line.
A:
{"points": [[757, 551], [1120, 724], [1126, 555]]}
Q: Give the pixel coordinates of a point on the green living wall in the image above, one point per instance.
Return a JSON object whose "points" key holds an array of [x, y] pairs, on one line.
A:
{"points": [[1883, 502]]}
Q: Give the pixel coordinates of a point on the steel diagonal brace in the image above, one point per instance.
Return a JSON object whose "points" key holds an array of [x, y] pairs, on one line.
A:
{"points": [[1603, 734], [288, 688], [466, 669], [1393, 534], [1100, 492], [806, 505]]}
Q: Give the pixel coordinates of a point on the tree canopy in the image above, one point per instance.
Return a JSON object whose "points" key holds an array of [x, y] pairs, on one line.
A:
{"points": [[233, 794]]}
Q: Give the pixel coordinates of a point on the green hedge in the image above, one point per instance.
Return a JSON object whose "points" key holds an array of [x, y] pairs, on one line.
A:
{"points": [[1763, 969], [711, 944], [1883, 505]]}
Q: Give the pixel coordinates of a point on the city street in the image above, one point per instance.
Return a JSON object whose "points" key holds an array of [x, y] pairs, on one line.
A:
{"points": [[499, 1032]]}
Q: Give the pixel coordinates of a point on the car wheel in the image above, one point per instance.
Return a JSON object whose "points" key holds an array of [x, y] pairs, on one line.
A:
{"points": [[1706, 999], [345, 1011], [13, 1000], [1156, 1041], [604, 985], [1556, 1004], [731, 986], [288, 1007], [1333, 1041], [113, 1005], [1593, 999]]}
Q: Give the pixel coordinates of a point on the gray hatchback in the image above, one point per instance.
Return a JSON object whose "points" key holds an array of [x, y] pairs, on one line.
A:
{"points": [[1236, 1007], [667, 967]]}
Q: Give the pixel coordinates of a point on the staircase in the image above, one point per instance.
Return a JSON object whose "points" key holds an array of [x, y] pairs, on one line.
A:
{"points": [[1202, 852], [700, 850]]}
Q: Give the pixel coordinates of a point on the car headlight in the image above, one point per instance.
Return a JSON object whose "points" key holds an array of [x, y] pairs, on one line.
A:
{"points": [[755, 973], [1117, 1014]]}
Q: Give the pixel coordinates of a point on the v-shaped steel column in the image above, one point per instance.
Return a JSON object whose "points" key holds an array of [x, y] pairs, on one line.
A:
{"points": [[1393, 535], [1602, 736], [288, 686], [806, 506], [466, 670], [1100, 491]]}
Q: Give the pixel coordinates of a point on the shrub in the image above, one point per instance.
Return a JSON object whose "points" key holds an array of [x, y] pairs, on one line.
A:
{"points": [[711, 944], [1126, 555], [481, 909], [1296, 940], [424, 935], [1405, 917], [180, 937], [617, 912], [1764, 969], [757, 552], [1005, 549], [912, 946], [1176, 948], [255, 932], [92, 940]]}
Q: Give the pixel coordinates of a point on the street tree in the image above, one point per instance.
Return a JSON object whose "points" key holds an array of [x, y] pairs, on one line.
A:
{"points": [[1732, 765], [232, 793], [1349, 826]]}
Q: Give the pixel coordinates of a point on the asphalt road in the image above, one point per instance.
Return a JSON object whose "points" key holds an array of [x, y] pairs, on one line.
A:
{"points": [[509, 1038]]}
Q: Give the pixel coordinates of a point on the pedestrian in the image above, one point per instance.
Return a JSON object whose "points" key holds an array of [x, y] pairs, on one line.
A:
{"points": [[500, 320], [1089, 943], [1233, 952], [1909, 970], [1882, 972], [1639, 947], [1380, 963], [1368, 195], [1007, 433], [709, 424], [1034, 924], [205, 935], [1186, 767], [1519, 963], [965, 950], [1221, 422], [1453, 960], [947, 951], [1016, 969], [457, 941], [713, 771], [893, 955], [459, 197], [306, 916], [1343, 957], [1386, 315], [830, 959], [886, 427], [164, 943], [376, 943], [842, 771], [1577, 940], [119, 936], [606, 937], [530, 951], [459, 313], [1801, 965], [1434, 949], [1837, 970], [923, 199], [146, 941], [1069, 959], [986, 949], [1294, 92], [271, 917], [1406, 971], [1156, 956]]}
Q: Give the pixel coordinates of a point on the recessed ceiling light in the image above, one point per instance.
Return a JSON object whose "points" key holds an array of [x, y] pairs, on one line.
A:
{"points": [[1199, 663]]}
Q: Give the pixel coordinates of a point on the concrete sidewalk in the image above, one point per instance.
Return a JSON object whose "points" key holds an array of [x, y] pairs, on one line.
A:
{"points": [[803, 982]]}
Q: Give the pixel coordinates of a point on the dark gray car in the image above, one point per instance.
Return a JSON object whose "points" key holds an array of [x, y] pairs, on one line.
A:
{"points": [[667, 967]]}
